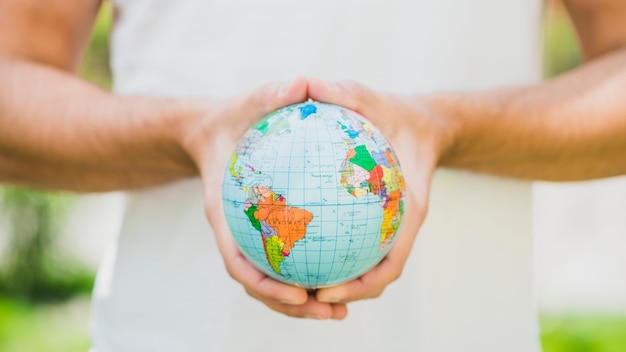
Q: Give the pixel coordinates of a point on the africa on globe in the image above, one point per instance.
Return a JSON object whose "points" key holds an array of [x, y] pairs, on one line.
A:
{"points": [[313, 195]]}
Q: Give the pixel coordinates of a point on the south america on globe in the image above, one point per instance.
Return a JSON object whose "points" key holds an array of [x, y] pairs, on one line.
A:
{"points": [[313, 195]]}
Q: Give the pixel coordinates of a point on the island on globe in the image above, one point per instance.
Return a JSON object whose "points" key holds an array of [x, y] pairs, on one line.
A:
{"points": [[313, 195]]}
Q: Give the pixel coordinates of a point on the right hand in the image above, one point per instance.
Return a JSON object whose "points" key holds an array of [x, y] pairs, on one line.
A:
{"points": [[419, 138]]}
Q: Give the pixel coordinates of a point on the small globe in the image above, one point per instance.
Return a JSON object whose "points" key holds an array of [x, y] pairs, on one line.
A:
{"points": [[313, 195]]}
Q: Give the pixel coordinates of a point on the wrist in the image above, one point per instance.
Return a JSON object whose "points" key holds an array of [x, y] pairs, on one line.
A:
{"points": [[161, 128], [443, 125], [190, 126]]}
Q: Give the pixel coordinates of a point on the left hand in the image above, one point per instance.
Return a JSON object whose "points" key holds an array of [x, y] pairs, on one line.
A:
{"points": [[210, 141], [418, 138]]}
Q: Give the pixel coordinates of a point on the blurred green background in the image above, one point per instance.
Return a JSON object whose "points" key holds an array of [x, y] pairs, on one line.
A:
{"points": [[44, 292]]}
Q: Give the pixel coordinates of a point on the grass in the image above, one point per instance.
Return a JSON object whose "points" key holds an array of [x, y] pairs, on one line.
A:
{"points": [[560, 43], [36, 327], [583, 333], [95, 66], [29, 327]]}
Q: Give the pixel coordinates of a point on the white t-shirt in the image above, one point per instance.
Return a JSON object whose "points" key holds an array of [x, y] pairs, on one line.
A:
{"points": [[468, 283]]}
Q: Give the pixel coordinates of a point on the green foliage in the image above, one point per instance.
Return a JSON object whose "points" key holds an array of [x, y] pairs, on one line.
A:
{"points": [[561, 49], [33, 267], [95, 66], [30, 214], [27, 327], [583, 333]]}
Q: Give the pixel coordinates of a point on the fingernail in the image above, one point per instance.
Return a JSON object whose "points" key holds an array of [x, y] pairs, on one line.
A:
{"points": [[283, 88], [330, 299], [316, 317], [327, 83], [289, 301]]}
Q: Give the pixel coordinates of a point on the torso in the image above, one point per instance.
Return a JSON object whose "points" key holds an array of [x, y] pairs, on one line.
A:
{"points": [[468, 283]]}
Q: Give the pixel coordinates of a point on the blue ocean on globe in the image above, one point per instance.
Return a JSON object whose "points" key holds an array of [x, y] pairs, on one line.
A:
{"points": [[314, 195]]}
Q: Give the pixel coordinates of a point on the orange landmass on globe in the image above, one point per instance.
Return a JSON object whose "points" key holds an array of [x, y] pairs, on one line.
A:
{"points": [[288, 222]]}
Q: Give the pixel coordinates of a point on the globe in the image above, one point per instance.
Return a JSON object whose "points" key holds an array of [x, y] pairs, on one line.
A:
{"points": [[313, 195]]}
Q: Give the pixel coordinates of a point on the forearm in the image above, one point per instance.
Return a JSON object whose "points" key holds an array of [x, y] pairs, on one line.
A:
{"points": [[570, 128], [57, 131]]}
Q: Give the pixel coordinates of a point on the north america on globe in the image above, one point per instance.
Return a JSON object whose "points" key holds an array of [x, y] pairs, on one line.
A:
{"points": [[313, 195]]}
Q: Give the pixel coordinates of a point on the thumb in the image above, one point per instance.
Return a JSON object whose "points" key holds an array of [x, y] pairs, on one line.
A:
{"points": [[273, 96], [348, 94]]}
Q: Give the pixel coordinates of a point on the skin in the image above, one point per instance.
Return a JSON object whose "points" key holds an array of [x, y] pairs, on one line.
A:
{"points": [[60, 132], [57, 131], [569, 128]]}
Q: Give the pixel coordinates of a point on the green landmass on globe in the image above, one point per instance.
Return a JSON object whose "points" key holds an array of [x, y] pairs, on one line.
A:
{"points": [[314, 195]]}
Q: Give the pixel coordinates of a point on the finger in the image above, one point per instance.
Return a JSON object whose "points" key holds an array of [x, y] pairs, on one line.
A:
{"points": [[348, 94], [374, 106], [228, 120], [270, 97], [248, 108], [257, 283], [286, 299], [340, 311], [311, 309], [372, 283]]}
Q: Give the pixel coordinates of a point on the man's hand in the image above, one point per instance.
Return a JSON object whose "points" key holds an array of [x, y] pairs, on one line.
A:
{"points": [[210, 141], [418, 139], [565, 129]]}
